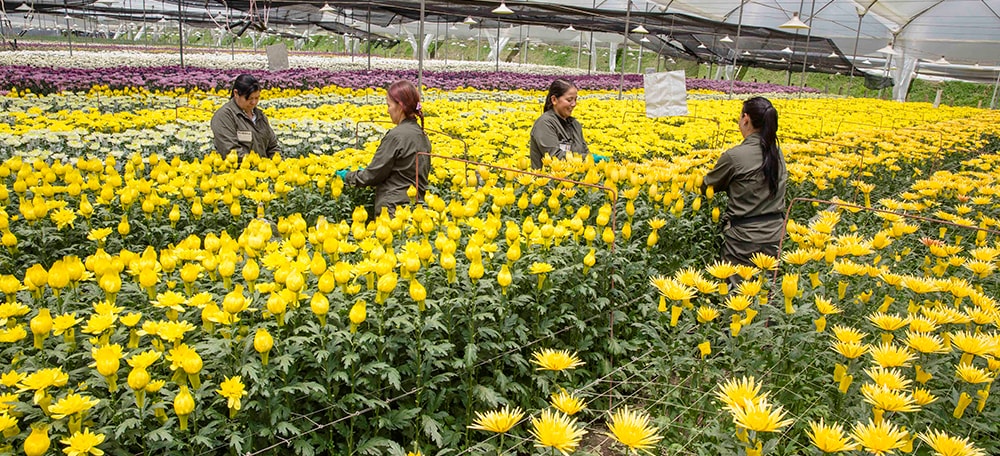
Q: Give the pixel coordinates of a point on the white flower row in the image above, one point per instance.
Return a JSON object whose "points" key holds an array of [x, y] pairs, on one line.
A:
{"points": [[245, 60]]}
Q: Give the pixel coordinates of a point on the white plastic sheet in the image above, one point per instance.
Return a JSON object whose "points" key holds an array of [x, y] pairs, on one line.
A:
{"points": [[666, 94]]}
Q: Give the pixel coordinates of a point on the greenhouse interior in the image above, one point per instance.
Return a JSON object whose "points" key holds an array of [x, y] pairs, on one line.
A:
{"points": [[588, 227]]}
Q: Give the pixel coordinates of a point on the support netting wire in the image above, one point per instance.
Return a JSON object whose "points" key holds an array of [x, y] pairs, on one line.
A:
{"points": [[381, 393], [653, 394]]}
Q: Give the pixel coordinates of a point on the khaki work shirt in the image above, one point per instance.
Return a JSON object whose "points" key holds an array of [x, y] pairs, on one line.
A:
{"points": [[232, 129], [395, 165], [738, 173], [555, 136]]}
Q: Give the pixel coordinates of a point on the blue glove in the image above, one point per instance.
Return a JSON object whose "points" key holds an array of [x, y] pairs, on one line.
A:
{"points": [[600, 158], [341, 173]]}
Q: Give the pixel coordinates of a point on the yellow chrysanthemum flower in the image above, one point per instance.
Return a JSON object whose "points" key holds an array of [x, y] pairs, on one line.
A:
{"points": [[749, 288], [83, 444], [764, 262], [760, 416], [498, 421], [923, 397], [888, 322], [233, 390], [672, 289], [738, 303], [556, 430], [633, 429], [972, 374], [890, 355], [555, 360], [825, 306], [829, 438], [973, 344], [721, 270], [890, 378], [924, 342], [946, 445], [885, 398], [540, 268], [848, 334], [879, 439], [71, 404], [850, 350], [707, 314], [567, 403], [735, 392]]}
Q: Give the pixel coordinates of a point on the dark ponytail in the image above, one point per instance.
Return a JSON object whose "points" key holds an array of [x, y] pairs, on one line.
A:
{"points": [[558, 88], [764, 117]]}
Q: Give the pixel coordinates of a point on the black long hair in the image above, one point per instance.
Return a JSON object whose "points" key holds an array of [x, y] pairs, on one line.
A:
{"points": [[558, 88], [244, 85], [764, 117]]}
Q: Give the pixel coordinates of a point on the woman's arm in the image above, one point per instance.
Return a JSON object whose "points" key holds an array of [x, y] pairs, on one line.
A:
{"points": [[224, 133], [720, 176], [379, 168]]}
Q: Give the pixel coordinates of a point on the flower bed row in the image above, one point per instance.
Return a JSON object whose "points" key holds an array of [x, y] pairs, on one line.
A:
{"points": [[45, 80]]}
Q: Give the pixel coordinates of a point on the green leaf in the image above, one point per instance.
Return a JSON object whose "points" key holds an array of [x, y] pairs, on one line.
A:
{"points": [[432, 429], [285, 429], [373, 445]]}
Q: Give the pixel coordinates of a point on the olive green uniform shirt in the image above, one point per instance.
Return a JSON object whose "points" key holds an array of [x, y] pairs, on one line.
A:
{"points": [[232, 129], [555, 136], [739, 173], [394, 167]]}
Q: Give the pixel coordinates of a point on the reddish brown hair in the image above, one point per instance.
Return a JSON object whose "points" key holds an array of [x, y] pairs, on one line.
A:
{"points": [[406, 95]]}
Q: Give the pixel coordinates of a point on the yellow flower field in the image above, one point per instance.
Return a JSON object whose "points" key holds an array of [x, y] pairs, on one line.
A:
{"points": [[160, 297]]}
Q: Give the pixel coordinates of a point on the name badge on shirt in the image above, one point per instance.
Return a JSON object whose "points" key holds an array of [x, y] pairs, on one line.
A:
{"points": [[244, 135], [564, 146]]}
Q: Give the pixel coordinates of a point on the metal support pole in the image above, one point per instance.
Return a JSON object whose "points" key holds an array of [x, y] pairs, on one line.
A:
{"points": [[180, 28], [369, 37], [498, 47], [736, 48], [621, 79], [479, 45], [69, 30], [805, 57], [420, 51], [993, 101], [854, 57]]}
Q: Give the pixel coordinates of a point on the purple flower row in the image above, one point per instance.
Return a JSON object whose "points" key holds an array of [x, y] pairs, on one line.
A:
{"points": [[48, 80]]}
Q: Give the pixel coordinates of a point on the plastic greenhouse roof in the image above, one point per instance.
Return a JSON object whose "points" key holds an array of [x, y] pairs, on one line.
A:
{"points": [[965, 33]]}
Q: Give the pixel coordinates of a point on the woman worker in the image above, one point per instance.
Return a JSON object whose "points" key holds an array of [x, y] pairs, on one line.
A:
{"points": [[557, 132], [239, 125], [394, 167], [754, 175]]}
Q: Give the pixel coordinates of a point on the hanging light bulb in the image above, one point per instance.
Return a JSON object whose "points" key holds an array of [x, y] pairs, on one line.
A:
{"points": [[326, 8], [942, 61], [702, 46], [794, 23], [644, 40], [866, 62], [640, 29], [746, 52], [787, 50], [469, 20], [502, 9], [782, 60], [888, 50], [726, 39], [570, 28], [833, 55]]}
